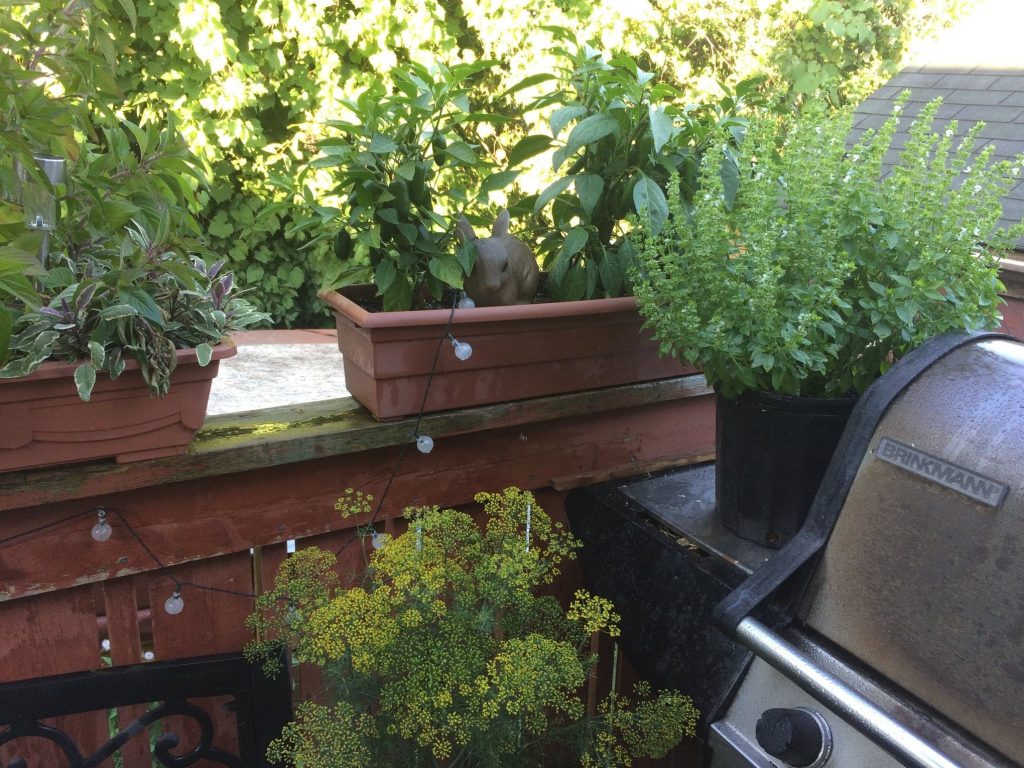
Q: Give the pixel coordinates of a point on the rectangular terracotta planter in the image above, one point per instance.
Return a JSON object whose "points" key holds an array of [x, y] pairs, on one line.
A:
{"points": [[46, 423], [519, 352]]}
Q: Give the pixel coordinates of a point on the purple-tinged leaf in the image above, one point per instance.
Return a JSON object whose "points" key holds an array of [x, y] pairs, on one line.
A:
{"points": [[214, 269], [85, 297]]}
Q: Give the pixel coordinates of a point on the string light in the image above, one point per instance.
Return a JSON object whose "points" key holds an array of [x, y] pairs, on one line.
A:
{"points": [[463, 351], [174, 604], [102, 530], [529, 509]]}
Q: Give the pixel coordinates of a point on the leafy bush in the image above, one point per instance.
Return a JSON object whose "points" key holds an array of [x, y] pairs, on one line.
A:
{"points": [[402, 170], [249, 84], [820, 273], [446, 656], [125, 278], [628, 138], [840, 50]]}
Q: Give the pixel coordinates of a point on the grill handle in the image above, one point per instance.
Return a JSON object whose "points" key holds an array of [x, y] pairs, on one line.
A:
{"points": [[860, 713]]}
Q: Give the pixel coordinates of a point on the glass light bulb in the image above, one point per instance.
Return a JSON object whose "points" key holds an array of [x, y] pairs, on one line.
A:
{"points": [[466, 303], [424, 443], [174, 604], [102, 531], [463, 351]]}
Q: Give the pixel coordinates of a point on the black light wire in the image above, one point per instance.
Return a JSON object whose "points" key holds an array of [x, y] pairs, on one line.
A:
{"points": [[415, 428]]}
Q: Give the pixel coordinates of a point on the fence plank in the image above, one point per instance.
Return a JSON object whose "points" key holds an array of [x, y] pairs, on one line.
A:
{"points": [[211, 622], [49, 635]]}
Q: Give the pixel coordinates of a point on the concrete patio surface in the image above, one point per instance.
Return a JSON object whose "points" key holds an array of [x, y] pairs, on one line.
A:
{"points": [[278, 368]]}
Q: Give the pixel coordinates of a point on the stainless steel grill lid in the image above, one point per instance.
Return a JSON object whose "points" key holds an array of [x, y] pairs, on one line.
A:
{"points": [[920, 587], [923, 576]]}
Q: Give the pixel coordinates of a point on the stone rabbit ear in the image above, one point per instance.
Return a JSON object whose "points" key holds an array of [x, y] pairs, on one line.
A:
{"points": [[501, 224], [464, 230]]}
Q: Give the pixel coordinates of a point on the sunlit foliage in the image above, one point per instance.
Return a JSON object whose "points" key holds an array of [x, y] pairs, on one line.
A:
{"points": [[251, 83], [446, 655]]}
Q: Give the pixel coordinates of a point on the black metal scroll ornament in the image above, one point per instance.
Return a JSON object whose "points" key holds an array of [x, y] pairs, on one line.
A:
{"points": [[203, 750]]}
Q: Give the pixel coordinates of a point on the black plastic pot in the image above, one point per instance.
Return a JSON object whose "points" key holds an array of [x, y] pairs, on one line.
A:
{"points": [[772, 452]]}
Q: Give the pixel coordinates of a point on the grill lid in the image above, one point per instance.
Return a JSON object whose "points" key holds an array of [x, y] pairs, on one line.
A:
{"points": [[923, 576]]}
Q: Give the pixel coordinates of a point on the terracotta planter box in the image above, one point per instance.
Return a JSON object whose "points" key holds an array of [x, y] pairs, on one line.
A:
{"points": [[518, 352], [46, 423]]}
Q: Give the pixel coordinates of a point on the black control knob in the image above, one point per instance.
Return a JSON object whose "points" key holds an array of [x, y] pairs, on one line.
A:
{"points": [[798, 737]]}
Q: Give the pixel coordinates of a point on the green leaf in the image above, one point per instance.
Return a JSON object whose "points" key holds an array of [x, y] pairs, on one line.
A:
{"points": [[589, 187], [591, 129], [6, 324], [462, 152], [447, 269], [85, 380], [552, 191], [528, 82], [18, 286], [143, 303], [407, 170], [565, 115], [876, 287], [97, 354], [906, 312], [384, 274], [466, 254], [574, 285], [575, 241], [399, 295], [527, 147], [497, 181], [204, 354], [650, 202], [382, 145], [221, 226], [611, 272], [662, 126], [129, 9]]}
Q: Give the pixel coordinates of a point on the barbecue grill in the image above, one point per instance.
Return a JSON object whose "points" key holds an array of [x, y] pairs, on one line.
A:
{"points": [[907, 646], [890, 630]]}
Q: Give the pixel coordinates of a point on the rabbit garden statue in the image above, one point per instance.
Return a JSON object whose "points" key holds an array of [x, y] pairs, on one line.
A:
{"points": [[505, 271]]}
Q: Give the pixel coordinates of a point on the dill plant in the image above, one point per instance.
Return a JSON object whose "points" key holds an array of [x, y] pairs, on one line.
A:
{"points": [[820, 273], [446, 656]]}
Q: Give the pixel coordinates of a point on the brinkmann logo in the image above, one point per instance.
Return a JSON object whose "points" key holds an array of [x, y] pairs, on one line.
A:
{"points": [[978, 487]]}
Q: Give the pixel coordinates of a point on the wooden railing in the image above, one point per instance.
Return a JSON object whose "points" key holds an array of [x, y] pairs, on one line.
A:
{"points": [[221, 516]]}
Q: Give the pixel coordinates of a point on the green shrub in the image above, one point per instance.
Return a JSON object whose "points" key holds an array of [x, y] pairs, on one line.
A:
{"points": [[819, 273], [249, 84], [625, 137], [445, 655], [403, 166], [124, 276]]}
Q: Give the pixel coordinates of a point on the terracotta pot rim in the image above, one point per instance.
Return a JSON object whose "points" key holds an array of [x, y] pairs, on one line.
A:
{"points": [[426, 317], [59, 370]]}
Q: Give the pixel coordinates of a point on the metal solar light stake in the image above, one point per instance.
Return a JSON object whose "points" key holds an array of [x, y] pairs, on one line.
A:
{"points": [[39, 200]]}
